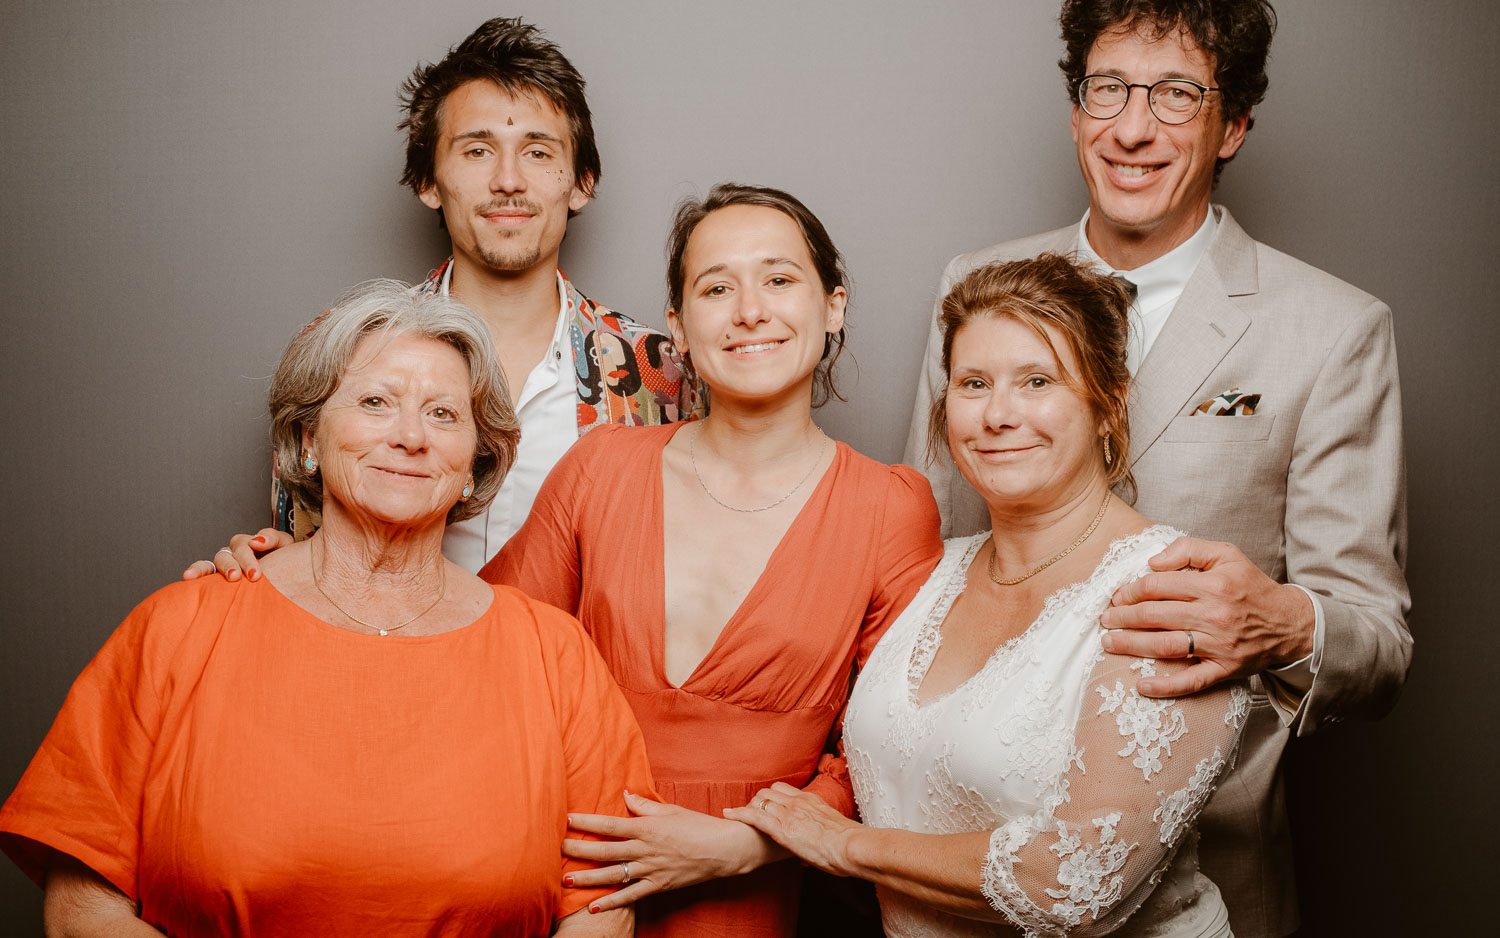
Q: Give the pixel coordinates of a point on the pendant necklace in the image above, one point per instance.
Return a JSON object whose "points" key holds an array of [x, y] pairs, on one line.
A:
{"points": [[442, 588], [693, 458], [1047, 563]]}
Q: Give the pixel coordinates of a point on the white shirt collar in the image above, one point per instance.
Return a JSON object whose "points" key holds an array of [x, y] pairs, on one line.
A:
{"points": [[1163, 279], [559, 332]]}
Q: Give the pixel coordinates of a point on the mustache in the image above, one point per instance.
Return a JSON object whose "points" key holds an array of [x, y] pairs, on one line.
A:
{"points": [[495, 205]]}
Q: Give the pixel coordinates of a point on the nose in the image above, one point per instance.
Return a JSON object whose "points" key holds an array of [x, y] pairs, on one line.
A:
{"points": [[751, 309], [999, 410], [1135, 125], [409, 430], [507, 177]]}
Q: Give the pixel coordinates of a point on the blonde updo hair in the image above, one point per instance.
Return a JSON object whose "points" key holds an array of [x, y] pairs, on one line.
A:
{"points": [[1091, 312]]}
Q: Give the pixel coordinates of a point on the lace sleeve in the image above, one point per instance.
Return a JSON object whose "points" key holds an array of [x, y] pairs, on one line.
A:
{"points": [[1140, 771]]}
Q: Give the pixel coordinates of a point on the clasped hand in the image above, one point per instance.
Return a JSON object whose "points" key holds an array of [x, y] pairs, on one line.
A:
{"points": [[802, 823], [1209, 602], [663, 847]]}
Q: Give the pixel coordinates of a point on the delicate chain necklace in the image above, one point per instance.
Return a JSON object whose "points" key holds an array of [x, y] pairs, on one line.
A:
{"points": [[1047, 563], [443, 588], [693, 457]]}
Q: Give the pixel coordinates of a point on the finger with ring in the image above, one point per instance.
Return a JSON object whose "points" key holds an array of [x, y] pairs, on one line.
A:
{"points": [[625, 872], [222, 550], [763, 803], [1191, 644]]}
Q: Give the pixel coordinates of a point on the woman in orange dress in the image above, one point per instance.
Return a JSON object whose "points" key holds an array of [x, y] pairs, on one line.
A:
{"points": [[734, 572], [366, 740]]}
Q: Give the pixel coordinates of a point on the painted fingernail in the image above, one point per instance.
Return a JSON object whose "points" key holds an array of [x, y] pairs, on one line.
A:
{"points": [[593, 909], [567, 880]]}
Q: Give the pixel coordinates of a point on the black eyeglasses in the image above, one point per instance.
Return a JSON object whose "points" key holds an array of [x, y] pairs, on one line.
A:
{"points": [[1172, 100]]}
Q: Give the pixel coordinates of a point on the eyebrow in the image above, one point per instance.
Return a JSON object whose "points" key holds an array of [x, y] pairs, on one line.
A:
{"points": [[768, 262], [1165, 76], [487, 135]]}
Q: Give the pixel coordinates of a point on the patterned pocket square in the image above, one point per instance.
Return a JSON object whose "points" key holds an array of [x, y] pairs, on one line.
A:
{"points": [[1232, 403]]}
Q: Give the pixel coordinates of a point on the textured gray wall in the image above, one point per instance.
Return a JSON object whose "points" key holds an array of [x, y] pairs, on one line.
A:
{"points": [[186, 183]]}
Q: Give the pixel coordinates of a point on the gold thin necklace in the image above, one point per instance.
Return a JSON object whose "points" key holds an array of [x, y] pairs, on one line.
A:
{"points": [[1047, 563], [693, 458], [442, 588]]}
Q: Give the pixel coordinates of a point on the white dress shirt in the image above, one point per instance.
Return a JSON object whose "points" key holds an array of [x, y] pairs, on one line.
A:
{"points": [[1159, 283], [547, 406]]}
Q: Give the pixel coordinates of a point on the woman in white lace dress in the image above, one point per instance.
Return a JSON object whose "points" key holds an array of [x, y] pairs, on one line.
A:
{"points": [[1010, 777]]}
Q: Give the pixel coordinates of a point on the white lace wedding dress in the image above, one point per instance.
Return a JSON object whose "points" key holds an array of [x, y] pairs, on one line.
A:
{"points": [[1090, 790]]}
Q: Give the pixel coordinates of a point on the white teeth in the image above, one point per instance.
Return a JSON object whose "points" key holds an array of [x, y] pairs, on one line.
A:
{"points": [[1133, 170], [747, 349]]}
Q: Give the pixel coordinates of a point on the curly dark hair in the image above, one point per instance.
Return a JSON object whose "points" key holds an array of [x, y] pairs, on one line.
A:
{"points": [[515, 56], [1236, 34]]}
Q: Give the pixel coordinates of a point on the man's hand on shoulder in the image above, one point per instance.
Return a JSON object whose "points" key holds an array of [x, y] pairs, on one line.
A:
{"points": [[1208, 601]]}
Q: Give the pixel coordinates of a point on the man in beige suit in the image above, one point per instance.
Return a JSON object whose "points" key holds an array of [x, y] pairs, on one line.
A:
{"points": [[1265, 419]]}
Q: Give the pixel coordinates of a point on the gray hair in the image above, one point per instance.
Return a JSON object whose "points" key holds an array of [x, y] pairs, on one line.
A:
{"points": [[315, 361]]}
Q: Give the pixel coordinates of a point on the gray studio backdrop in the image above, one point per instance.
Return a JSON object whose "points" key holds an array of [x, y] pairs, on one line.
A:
{"points": [[185, 183]]}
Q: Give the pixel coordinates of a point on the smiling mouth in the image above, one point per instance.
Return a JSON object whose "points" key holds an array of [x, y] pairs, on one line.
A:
{"points": [[399, 474], [1135, 171], [757, 347]]}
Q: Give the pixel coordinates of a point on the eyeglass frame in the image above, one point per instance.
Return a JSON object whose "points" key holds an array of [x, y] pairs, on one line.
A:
{"points": [[1129, 87]]}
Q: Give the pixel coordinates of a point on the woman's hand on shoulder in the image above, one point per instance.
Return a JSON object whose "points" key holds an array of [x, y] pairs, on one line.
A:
{"points": [[802, 823], [241, 557], [663, 847]]}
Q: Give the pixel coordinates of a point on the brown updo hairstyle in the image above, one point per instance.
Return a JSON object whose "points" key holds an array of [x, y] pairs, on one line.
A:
{"points": [[827, 261], [1090, 311]]}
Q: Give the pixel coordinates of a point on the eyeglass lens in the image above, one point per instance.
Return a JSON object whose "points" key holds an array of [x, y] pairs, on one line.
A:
{"points": [[1173, 102]]}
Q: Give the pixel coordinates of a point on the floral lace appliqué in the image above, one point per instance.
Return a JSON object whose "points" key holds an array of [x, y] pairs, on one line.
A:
{"points": [[1148, 726]]}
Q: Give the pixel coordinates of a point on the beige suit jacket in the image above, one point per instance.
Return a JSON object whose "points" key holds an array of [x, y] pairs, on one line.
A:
{"points": [[1312, 488]]}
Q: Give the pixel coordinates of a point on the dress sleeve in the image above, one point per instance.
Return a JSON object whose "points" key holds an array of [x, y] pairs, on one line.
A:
{"points": [[1140, 773], [909, 548], [603, 750], [82, 793], [543, 558]]}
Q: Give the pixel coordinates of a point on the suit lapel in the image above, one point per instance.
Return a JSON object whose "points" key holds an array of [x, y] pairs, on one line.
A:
{"points": [[1203, 327]]}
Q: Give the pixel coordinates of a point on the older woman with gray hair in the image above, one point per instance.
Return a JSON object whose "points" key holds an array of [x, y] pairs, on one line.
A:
{"points": [[368, 739]]}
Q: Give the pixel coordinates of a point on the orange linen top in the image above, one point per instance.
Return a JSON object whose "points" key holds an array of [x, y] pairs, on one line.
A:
{"points": [[237, 766], [762, 705]]}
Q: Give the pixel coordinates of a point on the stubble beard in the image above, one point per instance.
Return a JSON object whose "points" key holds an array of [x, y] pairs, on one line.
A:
{"points": [[517, 258]]}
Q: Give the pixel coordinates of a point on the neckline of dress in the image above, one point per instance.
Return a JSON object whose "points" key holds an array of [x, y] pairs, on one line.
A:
{"points": [[659, 646], [931, 624]]}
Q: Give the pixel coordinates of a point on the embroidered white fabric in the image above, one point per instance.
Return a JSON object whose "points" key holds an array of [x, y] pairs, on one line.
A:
{"points": [[1089, 789]]}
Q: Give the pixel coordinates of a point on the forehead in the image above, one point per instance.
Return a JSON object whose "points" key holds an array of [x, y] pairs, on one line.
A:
{"points": [[998, 341], [408, 353], [1141, 52], [481, 105], [753, 231]]}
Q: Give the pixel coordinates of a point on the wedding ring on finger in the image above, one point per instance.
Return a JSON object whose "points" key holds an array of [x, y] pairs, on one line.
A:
{"points": [[1191, 645], [763, 803], [221, 550], [625, 874]]}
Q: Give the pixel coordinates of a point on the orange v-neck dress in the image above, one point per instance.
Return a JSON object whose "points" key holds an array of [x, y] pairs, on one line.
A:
{"points": [[763, 706], [239, 767]]}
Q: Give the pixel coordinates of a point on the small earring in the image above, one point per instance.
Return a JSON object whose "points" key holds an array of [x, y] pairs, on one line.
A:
{"points": [[309, 461], [1108, 457], [468, 489]]}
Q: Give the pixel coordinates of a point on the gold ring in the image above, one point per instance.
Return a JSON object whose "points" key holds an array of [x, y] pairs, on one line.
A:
{"points": [[626, 868], [1191, 646], [763, 803]]}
